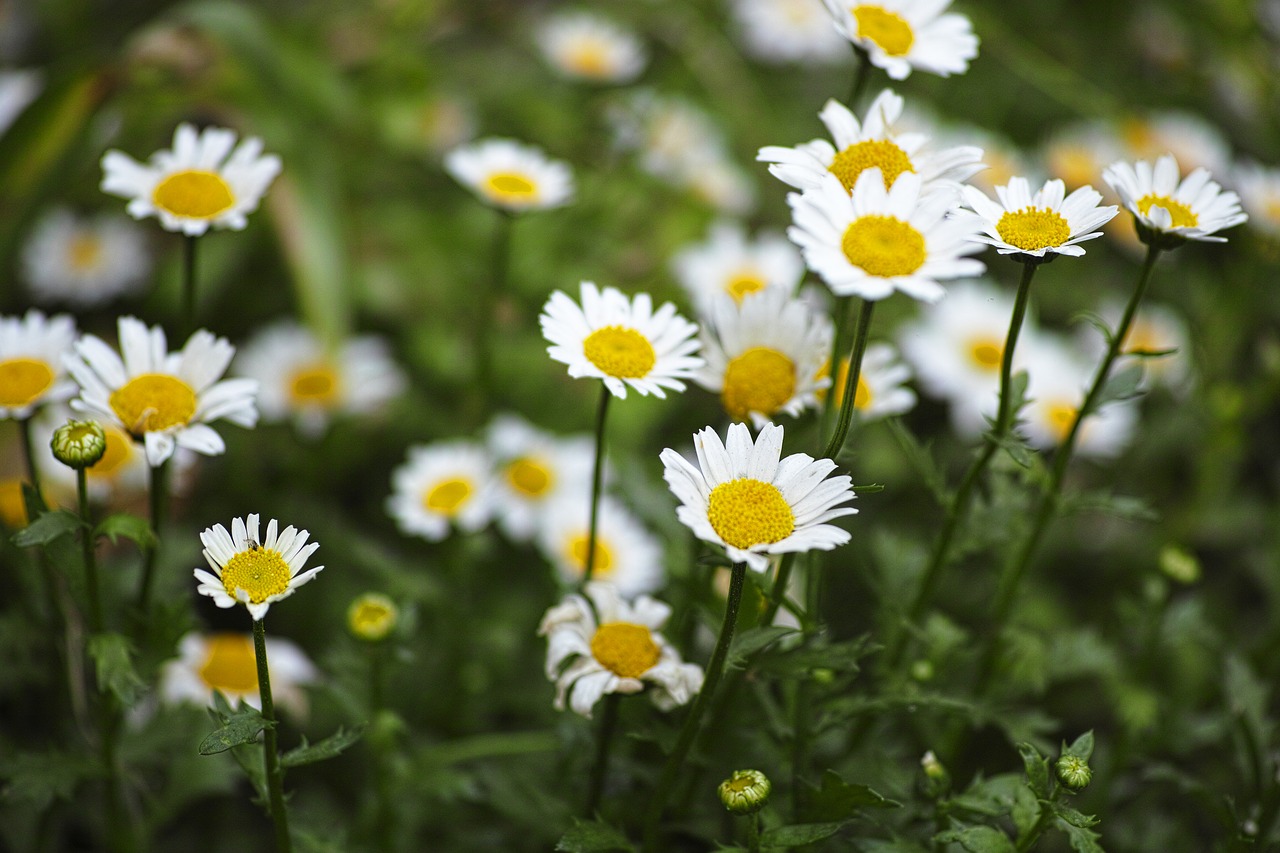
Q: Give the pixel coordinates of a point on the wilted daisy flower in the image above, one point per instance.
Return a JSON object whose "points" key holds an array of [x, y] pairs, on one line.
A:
{"points": [[17, 90], [84, 261], [534, 470], [623, 342], [627, 555], [442, 484], [584, 46], [610, 646], [779, 31], [1259, 188], [253, 571], [1059, 377], [163, 399], [881, 390], [727, 262], [511, 175], [198, 184], [742, 497], [903, 34], [1036, 224], [32, 374], [878, 241], [1193, 208], [299, 378], [765, 356], [225, 662]]}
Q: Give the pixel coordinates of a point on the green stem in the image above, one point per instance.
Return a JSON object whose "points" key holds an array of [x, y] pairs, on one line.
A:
{"points": [[861, 77], [384, 814], [840, 314], [28, 453], [270, 747], [597, 479], [120, 838], [779, 592], [87, 543], [608, 725], [189, 284], [753, 833], [1026, 842], [851, 381], [159, 504]]}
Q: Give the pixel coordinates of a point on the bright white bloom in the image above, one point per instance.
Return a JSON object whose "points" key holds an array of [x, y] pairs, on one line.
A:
{"points": [[627, 555], [198, 184], [742, 497], [1259, 188], [442, 484], [781, 31], [621, 651], [878, 241], [32, 352], [85, 261], [163, 399], [511, 175], [1193, 208], [765, 356], [620, 340], [535, 470], [900, 35], [300, 378], [1039, 223], [1059, 378], [728, 262], [253, 571], [17, 90], [882, 379], [584, 46], [227, 663]]}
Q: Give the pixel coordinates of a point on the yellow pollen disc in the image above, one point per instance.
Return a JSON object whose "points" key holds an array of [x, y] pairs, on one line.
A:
{"points": [[986, 353], [857, 158], [448, 496], [1183, 216], [84, 252], [1060, 417], [153, 402], [193, 194], [883, 246], [625, 649], [529, 476], [747, 512], [1033, 228], [589, 58], [23, 380], [760, 380], [619, 351], [13, 509], [230, 664], [260, 572], [508, 186], [578, 554], [315, 384], [743, 283], [119, 451], [889, 31]]}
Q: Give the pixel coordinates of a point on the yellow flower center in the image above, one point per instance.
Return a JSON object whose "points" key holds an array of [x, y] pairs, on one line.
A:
{"points": [[760, 380], [578, 554], [260, 572], [529, 476], [589, 58], [13, 509], [1183, 216], [883, 246], [153, 402], [619, 351], [1033, 228], [84, 252], [743, 283], [193, 194], [625, 649], [448, 496], [857, 158], [508, 186], [862, 395], [315, 384], [230, 664], [23, 380], [119, 451], [747, 512], [986, 353], [889, 31], [1060, 416]]}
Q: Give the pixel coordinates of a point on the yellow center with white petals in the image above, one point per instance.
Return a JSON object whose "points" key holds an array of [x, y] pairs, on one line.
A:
{"points": [[1060, 416], [448, 496], [888, 30], [577, 550], [742, 283], [84, 252], [589, 58], [529, 476], [625, 649], [986, 353], [23, 381], [260, 572], [153, 402], [760, 380], [880, 153], [119, 451], [619, 351], [510, 186], [314, 385], [883, 246], [193, 194], [747, 512], [230, 664], [1183, 216], [1033, 228]]}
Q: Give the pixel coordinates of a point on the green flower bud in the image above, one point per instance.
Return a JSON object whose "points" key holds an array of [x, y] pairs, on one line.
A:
{"points": [[745, 792], [937, 781], [372, 616], [1179, 565], [1073, 772], [78, 444]]}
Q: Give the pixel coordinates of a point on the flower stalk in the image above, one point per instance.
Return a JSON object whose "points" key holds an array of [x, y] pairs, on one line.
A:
{"points": [[856, 352], [597, 479], [604, 743], [189, 244], [159, 495], [270, 745]]}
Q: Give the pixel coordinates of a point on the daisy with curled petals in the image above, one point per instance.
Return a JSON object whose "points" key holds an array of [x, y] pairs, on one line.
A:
{"points": [[254, 570], [510, 175], [1169, 211], [607, 645], [728, 262], [163, 399], [442, 485], [32, 351], [899, 35], [587, 47], [1036, 224], [225, 663], [84, 261], [743, 497]]}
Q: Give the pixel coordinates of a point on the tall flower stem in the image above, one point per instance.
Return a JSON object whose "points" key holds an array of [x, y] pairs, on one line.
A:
{"points": [[861, 76], [840, 316], [270, 747], [189, 283], [87, 549], [715, 669], [608, 725], [159, 504], [500, 252], [851, 381], [28, 454], [384, 815], [597, 479]]}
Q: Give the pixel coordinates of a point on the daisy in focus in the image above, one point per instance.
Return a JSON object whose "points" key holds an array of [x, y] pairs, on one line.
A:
{"points": [[782, 31], [32, 353], [900, 35], [608, 645], [744, 497], [882, 391], [510, 175], [583, 46], [198, 184], [728, 262], [535, 470], [442, 485], [1170, 210], [627, 556], [225, 662], [1036, 224], [252, 570], [84, 261]]}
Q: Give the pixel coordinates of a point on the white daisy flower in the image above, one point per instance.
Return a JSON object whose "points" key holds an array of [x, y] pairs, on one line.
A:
{"points": [[1036, 224], [17, 90], [1077, 154], [511, 175], [607, 645], [1194, 208], [728, 262], [199, 183], [534, 470], [711, 175], [299, 378], [627, 556], [226, 663], [442, 484], [32, 373], [163, 399], [623, 342], [1059, 377], [584, 46], [882, 379], [878, 241], [784, 31], [1259, 188], [765, 356], [85, 261], [742, 497], [253, 571], [900, 35], [1194, 142]]}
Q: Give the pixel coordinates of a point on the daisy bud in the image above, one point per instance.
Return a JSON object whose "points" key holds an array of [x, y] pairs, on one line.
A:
{"points": [[745, 792], [372, 616], [79, 444], [1073, 772], [936, 778]]}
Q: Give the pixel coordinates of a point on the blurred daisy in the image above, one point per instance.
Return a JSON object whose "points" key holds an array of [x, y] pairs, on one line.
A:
{"points": [[84, 261], [225, 662], [511, 175], [1192, 141], [163, 399], [715, 179], [878, 241], [627, 555], [1003, 161], [442, 484], [781, 31], [727, 262], [1036, 224], [764, 356], [1259, 188], [198, 184], [1155, 329], [17, 90], [1059, 377], [584, 46], [1077, 154], [742, 497], [32, 372], [372, 617], [253, 571], [881, 390], [900, 35], [623, 342], [1193, 208], [607, 645], [534, 470]]}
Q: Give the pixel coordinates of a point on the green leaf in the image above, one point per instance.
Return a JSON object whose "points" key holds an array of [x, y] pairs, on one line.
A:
{"points": [[837, 800], [753, 640], [1074, 817], [244, 726], [330, 747], [48, 527], [869, 489], [1122, 385], [1121, 506], [592, 837], [1081, 747], [977, 839], [129, 526], [1082, 840], [112, 655], [39, 778], [1037, 768], [919, 458], [799, 834], [843, 656]]}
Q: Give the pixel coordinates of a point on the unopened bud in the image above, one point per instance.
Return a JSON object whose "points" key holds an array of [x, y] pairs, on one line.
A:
{"points": [[372, 617], [745, 792], [1073, 772], [78, 444], [937, 781]]}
